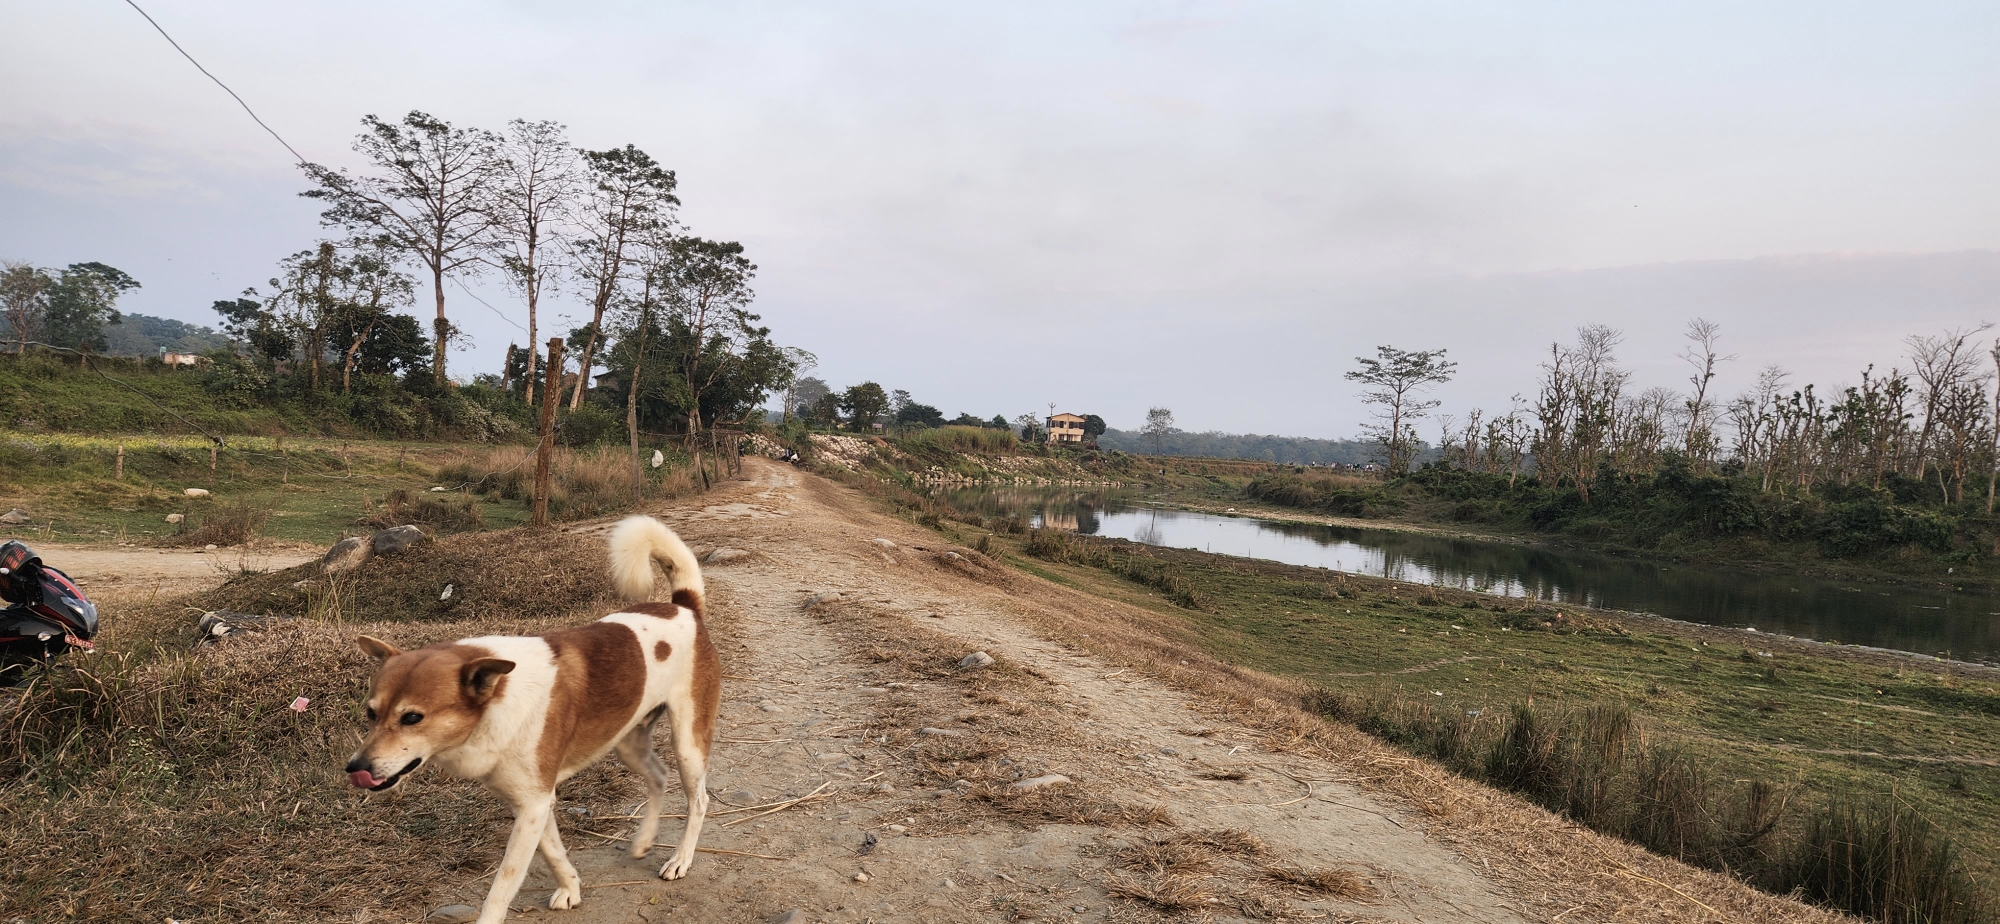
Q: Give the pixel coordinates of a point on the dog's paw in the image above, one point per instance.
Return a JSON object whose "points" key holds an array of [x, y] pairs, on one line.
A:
{"points": [[566, 897], [641, 848], [677, 866]]}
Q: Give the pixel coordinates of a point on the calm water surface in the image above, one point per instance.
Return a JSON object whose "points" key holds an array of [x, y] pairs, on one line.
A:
{"points": [[1959, 625]]}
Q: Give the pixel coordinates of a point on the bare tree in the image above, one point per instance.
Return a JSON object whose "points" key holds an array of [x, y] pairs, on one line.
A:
{"points": [[1941, 364], [1702, 336], [534, 191], [428, 198], [24, 300], [1392, 381], [1159, 423], [629, 195]]}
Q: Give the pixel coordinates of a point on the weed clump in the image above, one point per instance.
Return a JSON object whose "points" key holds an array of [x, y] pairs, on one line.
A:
{"points": [[230, 524]]}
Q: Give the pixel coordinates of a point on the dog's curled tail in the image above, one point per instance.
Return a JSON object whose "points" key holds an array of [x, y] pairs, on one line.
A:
{"points": [[636, 542]]}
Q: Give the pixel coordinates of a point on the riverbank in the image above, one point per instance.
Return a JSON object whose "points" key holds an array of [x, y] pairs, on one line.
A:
{"points": [[1821, 723]]}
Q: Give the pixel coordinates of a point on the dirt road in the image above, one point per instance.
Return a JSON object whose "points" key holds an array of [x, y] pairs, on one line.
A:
{"points": [[811, 709]]}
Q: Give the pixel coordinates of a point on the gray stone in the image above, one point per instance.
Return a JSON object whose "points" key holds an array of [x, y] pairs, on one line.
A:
{"points": [[1052, 779], [769, 706], [741, 797], [346, 555], [396, 539], [725, 554], [176, 517], [976, 659], [14, 517], [452, 914], [827, 597], [794, 916], [196, 492], [945, 732], [883, 543]]}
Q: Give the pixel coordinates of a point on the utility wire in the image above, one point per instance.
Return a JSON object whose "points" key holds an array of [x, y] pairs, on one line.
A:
{"points": [[218, 82]]}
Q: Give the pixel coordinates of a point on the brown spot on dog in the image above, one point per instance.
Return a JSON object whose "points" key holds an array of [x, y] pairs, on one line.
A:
{"points": [[662, 610], [600, 684], [662, 650], [687, 597]]}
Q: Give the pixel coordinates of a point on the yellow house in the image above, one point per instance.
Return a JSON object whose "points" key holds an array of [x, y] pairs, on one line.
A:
{"points": [[1066, 428]]}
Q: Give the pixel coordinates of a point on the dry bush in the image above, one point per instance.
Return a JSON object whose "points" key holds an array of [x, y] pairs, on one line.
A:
{"points": [[443, 513], [231, 524], [1162, 857], [1221, 840]]}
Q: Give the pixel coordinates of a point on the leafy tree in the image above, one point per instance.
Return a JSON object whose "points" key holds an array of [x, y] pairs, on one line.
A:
{"points": [[1093, 427], [920, 415], [83, 300], [428, 199], [805, 392], [246, 319], [630, 198], [826, 411], [535, 187], [1159, 423], [864, 404], [24, 301], [999, 422], [1031, 428], [967, 420], [1391, 382], [705, 289], [370, 287]]}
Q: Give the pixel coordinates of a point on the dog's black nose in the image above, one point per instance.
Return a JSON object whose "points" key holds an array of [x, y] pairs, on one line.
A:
{"points": [[357, 764]]}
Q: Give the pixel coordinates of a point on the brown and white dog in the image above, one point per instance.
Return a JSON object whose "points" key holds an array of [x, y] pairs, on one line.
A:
{"points": [[521, 714]]}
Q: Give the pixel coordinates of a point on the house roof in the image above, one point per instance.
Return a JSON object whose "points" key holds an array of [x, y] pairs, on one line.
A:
{"points": [[1066, 416]]}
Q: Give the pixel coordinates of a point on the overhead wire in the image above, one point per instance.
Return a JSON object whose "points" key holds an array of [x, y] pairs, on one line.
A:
{"points": [[218, 82]]}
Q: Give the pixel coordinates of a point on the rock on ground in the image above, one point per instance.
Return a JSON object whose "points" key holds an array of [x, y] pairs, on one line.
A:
{"points": [[396, 539], [346, 555], [976, 659]]}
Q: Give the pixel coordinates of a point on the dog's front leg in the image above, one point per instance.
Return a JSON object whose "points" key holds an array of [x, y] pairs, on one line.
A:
{"points": [[569, 887], [529, 820]]}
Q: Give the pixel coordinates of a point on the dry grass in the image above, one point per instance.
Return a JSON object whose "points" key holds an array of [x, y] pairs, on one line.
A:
{"points": [[1069, 805], [442, 513], [1172, 893], [229, 524], [1328, 882]]}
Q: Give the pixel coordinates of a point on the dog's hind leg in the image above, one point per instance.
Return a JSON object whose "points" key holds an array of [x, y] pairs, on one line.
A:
{"points": [[569, 886], [530, 817], [635, 750], [691, 738]]}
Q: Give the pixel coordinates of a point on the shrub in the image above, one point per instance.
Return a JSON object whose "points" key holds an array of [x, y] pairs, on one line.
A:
{"points": [[233, 524], [445, 513]]}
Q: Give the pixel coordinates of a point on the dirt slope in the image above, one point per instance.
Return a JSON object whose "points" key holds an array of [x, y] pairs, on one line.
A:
{"points": [[1172, 761]]}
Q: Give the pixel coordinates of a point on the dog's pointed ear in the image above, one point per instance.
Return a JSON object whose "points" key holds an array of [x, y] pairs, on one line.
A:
{"points": [[481, 677], [382, 650]]}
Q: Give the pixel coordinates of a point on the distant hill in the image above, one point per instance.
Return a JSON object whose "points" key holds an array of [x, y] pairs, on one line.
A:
{"points": [[1216, 445], [143, 335]]}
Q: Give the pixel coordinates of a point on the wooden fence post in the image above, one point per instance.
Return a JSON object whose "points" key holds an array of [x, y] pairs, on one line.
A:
{"points": [[546, 447], [120, 468]]}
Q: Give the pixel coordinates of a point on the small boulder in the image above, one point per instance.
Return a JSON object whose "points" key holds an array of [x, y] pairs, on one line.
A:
{"points": [[176, 517], [882, 543], [346, 555], [725, 554], [14, 517], [196, 492], [768, 706], [438, 489], [393, 540], [452, 914], [1037, 782], [827, 597], [976, 659]]}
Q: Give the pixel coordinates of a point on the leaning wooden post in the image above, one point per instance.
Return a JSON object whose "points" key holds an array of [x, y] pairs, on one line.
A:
{"points": [[546, 447], [211, 465], [119, 472]]}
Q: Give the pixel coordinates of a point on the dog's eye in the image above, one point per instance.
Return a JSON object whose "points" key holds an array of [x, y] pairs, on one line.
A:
{"points": [[412, 718], [371, 713]]}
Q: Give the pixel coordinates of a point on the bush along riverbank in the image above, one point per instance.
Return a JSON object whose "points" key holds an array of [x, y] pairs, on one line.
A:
{"points": [[1901, 529], [1862, 784]]}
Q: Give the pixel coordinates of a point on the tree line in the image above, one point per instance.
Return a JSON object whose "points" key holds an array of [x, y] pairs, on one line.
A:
{"points": [[670, 318]]}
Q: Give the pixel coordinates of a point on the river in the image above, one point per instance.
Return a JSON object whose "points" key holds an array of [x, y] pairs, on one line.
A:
{"points": [[1964, 626]]}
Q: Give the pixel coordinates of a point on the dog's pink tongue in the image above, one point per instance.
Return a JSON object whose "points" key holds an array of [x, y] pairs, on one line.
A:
{"points": [[363, 779]]}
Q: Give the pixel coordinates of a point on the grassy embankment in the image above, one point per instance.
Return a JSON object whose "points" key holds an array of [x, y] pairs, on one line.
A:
{"points": [[1866, 782]]}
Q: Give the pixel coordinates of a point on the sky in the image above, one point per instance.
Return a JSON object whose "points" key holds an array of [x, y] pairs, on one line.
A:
{"points": [[1208, 206]]}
